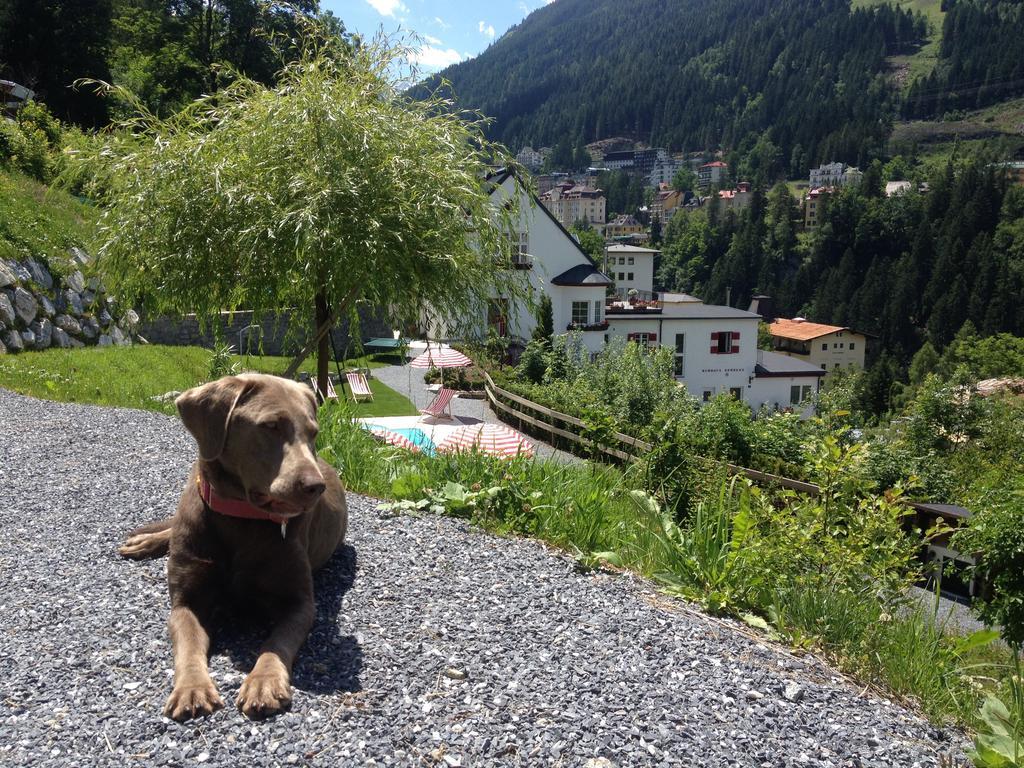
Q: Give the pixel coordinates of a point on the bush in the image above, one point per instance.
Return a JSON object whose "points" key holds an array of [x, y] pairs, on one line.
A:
{"points": [[25, 149], [996, 535]]}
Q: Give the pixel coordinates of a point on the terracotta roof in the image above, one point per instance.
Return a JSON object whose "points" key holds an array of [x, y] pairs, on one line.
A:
{"points": [[802, 330], [715, 164]]}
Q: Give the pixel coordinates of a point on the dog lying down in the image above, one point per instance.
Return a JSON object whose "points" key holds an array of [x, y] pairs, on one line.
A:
{"points": [[259, 513]]}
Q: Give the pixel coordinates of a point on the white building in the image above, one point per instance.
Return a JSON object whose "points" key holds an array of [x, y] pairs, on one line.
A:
{"points": [[711, 173], [530, 158], [835, 175], [551, 261], [631, 268], [715, 346], [716, 351]]}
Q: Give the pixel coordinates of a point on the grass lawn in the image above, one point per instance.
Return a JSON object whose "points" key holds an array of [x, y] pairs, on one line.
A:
{"points": [[39, 221], [130, 376]]}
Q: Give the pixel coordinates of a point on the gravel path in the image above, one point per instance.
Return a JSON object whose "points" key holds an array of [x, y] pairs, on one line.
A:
{"points": [[435, 644]]}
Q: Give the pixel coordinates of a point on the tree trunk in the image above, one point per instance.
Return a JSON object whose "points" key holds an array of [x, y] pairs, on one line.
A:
{"points": [[323, 349]]}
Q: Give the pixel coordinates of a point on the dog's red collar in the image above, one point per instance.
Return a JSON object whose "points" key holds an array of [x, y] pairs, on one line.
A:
{"points": [[235, 507]]}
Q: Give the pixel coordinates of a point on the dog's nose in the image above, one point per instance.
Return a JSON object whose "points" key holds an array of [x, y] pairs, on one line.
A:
{"points": [[313, 488]]}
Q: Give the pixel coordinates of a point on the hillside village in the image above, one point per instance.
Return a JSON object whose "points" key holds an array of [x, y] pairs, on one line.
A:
{"points": [[661, 406]]}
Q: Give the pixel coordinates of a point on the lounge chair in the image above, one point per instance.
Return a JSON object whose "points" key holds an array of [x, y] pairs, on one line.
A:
{"points": [[360, 387], [440, 406], [320, 396]]}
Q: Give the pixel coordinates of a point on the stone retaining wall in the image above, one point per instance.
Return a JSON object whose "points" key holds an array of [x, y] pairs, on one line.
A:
{"points": [[39, 308], [270, 334]]}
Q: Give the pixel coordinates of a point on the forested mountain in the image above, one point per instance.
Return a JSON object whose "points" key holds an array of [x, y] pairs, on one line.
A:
{"points": [[908, 269], [981, 59], [696, 74]]}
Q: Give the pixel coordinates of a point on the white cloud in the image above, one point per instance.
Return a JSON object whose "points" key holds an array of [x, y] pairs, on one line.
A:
{"points": [[388, 7], [487, 29], [431, 39], [434, 57], [442, 23]]}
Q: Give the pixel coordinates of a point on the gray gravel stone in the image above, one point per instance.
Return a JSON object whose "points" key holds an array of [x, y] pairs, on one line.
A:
{"points": [[71, 302], [67, 323], [46, 306], [562, 668], [7, 276], [75, 281], [13, 341], [40, 274], [43, 329], [6, 311], [61, 338], [105, 340], [28, 338], [25, 305]]}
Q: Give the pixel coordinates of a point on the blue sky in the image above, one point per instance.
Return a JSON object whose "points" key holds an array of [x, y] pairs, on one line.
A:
{"points": [[449, 30]]}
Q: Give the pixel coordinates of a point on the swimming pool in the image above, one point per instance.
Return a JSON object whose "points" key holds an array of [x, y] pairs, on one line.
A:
{"points": [[414, 435]]}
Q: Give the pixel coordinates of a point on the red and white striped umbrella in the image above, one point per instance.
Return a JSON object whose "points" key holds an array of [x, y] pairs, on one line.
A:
{"points": [[393, 438], [495, 439], [446, 357]]}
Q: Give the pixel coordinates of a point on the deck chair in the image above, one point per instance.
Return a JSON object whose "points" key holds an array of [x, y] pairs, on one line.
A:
{"points": [[440, 406], [360, 387], [322, 397]]}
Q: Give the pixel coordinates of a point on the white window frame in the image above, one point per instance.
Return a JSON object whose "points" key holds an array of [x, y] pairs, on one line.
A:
{"points": [[585, 306]]}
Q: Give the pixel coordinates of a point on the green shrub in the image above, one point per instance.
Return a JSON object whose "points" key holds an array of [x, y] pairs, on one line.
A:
{"points": [[25, 148], [995, 534]]}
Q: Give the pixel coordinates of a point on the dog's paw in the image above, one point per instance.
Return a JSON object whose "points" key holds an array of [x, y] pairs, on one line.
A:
{"points": [[145, 545], [188, 701], [264, 694]]}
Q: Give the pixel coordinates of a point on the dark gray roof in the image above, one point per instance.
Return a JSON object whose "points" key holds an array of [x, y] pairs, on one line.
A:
{"points": [[774, 364], [581, 274]]}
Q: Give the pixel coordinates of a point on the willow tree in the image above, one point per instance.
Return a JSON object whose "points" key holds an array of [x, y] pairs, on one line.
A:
{"points": [[328, 190]]}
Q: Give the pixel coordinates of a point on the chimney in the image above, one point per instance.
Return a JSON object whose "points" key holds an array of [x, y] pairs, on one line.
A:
{"points": [[764, 306]]}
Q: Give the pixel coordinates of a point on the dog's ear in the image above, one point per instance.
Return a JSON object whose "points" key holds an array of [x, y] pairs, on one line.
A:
{"points": [[206, 411]]}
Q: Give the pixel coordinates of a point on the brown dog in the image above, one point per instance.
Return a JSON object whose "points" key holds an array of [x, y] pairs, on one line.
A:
{"points": [[259, 513]]}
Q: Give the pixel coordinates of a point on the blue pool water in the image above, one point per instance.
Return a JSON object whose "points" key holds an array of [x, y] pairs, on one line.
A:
{"points": [[414, 435]]}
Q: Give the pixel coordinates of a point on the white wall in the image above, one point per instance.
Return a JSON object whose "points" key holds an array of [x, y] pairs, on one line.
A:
{"points": [[703, 370], [774, 392], [642, 269], [553, 252]]}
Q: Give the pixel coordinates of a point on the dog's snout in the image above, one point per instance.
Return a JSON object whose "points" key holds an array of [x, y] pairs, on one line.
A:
{"points": [[313, 487]]}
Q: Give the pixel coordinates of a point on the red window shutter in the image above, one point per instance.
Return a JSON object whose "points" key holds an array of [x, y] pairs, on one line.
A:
{"points": [[630, 337], [735, 342], [714, 342], [652, 337]]}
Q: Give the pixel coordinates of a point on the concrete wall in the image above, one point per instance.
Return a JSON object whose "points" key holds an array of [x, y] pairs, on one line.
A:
{"points": [[281, 335]]}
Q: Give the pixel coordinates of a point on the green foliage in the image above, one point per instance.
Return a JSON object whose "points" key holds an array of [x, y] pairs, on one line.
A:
{"points": [[545, 327], [590, 241], [1000, 739], [996, 535], [685, 180], [40, 222], [223, 362], [275, 197]]}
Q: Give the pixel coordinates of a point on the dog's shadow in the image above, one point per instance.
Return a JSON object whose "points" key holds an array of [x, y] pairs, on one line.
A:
{"points": [[329, 661]]}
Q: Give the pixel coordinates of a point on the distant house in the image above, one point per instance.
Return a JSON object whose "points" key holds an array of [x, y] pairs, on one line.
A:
{"points": [[736, 199], [814, 203], [622, 225], [893, 188], [664, 171], [1014, 171], [530, 158], [715, 351], [828, 347], [665, 203], [711, 173], [835, 175], [570, 203], [631, 267]]}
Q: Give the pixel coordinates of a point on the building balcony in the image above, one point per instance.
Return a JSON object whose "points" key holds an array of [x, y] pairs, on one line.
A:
{"points": [[601, 326], [634, 307]]}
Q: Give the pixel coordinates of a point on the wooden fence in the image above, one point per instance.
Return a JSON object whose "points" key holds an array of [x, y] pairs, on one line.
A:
{"points": [[627, 447]]}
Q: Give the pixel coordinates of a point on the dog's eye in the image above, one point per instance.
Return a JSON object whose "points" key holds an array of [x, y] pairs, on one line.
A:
{"points": [[271, 425]]}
